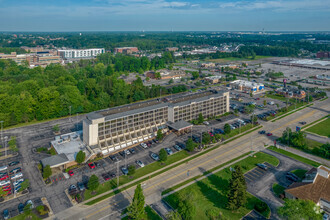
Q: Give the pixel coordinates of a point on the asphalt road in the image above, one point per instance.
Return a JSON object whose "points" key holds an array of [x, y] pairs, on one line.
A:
{"points": [[154, 187]]}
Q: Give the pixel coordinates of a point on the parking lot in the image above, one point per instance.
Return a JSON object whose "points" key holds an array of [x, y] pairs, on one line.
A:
{"points": [[257, 173]]}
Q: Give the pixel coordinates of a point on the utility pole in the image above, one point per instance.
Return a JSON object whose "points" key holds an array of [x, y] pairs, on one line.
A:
{"points": [[117, 173], [70, 112]]}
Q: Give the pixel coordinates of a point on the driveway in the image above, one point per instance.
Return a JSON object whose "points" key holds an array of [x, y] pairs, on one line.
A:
{"points": [[259, 182]]}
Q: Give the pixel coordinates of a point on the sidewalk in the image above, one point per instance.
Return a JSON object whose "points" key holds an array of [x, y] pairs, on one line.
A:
{"points": [[306, 155]]}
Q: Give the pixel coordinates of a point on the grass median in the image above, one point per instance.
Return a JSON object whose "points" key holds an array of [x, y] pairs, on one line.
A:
{"points": [[111, 185], [322, 128], [295, 156], [210, 194]]}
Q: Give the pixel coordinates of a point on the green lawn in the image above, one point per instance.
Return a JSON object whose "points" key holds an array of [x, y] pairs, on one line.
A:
{"points": [[300, 173], [211, 193], [294, 156], [311, 144], [322, 128], [278, 189], [150, 214], [138, 173], [32, 216]]}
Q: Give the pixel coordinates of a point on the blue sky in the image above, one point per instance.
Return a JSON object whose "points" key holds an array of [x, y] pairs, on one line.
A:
{"points": [[164, 15]]}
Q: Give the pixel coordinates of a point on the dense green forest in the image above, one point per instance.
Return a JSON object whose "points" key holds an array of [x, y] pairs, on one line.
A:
{"points": [[157, 41], [43, 93]]}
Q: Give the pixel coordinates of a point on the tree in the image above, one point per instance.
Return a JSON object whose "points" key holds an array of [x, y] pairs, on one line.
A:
{"points": [[56, 128], [162, 155], [136, 209], [299, 209], [227, 129], [237, 190], [200, 118], [160, 134], [190, 145], [195, 75], [25, 184], [157, 75], [186, 208], [27, 210], [171, 81], [254, 119], [173, 215], [265, 102], [131, 170], [206, 138], [93, 183], [47, 172], [12, 144], [80, 157]]}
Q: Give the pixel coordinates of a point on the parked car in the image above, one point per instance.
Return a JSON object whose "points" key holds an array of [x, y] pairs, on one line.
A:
{"points": [[219, 119], [72, 189], [114, 158], [70, 173], [18, 182], [269, 134], [181, 145], [13, 163], [106, 176], [91, 165], [6, 214], [177, 147], [140, 163], [168, 150], [17, 175], [206, 123], [127, 152], [262, 166], [132, 150], [154, 156], [4, 177], [3, 168], [81, 186], [20, 208], [16, 170], [303, 122], [97, 164], [112, 175], [144, 145], [29, 202], [262, 132], [124, 170]]}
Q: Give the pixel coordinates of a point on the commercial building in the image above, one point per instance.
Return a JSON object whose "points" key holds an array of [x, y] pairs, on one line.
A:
{"points": [[247, 86], [213, 79], [291, 92], [172, 49], [322, 54], [113, 129], [34, 59], [315, 187], [126, 50], [80, 53]]}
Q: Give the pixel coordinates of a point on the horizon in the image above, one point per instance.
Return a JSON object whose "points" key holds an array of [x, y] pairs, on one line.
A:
{"points": [[164, 15]]}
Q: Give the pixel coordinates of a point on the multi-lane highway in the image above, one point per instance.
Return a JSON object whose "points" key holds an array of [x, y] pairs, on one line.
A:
{"points": [[110, 208]]}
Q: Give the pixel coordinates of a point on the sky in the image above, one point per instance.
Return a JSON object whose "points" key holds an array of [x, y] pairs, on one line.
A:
{"points": [[164, 15]]}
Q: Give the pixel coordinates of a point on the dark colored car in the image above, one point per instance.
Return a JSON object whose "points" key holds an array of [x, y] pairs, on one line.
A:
{"points": [[181, 145], [262, 166], [262, 132], [97, 164], [113, 158], [16, 170], [132, 150], [13, 163], [124, 170], [81, 186], [303, 122], [218, 119], [6, 214], [112, 175], [20, 208]]}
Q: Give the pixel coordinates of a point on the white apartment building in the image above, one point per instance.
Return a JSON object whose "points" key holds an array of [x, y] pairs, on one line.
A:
{"points": [[80, 53]]}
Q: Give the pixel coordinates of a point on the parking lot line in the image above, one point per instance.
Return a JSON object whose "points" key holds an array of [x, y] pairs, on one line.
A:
{"points": [[248, 178], [259, 171]]}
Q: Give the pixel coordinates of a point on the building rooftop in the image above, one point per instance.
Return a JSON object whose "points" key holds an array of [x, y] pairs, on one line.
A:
{"points": [[179, 125], [246, 83], [314, 190], [70, 144], [135, 108], [55, 160]]}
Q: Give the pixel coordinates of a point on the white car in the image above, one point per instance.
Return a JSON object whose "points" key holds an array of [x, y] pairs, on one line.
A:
{"points": [[17, 175], [3, 168], [127, 152], [144, 145], [18, 182], [4, 183], [206, 123], [140, 163]]}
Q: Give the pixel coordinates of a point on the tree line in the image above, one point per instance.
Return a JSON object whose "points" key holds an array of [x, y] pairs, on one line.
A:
{"points": [[88, 85]]}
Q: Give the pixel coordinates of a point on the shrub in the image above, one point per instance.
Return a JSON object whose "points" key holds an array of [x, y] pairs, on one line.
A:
{"points": [[260, 206], [42, 209]]}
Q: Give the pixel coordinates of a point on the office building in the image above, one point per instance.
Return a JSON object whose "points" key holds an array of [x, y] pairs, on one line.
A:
{"points": [[80, 53], [126, 50], [113, 129]]}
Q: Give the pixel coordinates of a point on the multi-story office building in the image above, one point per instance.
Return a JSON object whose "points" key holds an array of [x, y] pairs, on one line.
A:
{"points": [[126, 50], [81, 53], [120, 127]]}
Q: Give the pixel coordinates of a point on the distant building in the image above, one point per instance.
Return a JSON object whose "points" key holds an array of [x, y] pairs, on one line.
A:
{"points": [[172, 49], [33, 49], [80, 53], [34, 59], [322, 54], [247, 86], [207, 65], [291, 92], [315, 187], [172, 74], [213, 79], [126, 50]]}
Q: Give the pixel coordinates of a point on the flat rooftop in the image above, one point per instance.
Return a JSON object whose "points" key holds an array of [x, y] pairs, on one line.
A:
{"points": [[70, 144], [135, 108]]}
